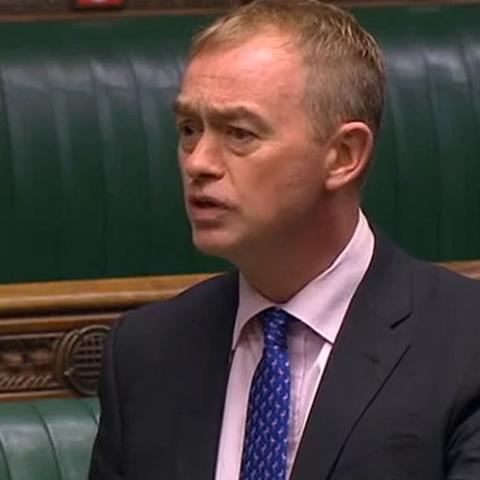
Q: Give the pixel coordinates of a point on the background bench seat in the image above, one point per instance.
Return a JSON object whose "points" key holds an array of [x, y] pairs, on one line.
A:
{"points": [[47, 440]]}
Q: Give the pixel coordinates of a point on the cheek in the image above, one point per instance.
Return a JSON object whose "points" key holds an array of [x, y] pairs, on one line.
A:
{"points": [[301, 195], [286, 191], [280, 177]]}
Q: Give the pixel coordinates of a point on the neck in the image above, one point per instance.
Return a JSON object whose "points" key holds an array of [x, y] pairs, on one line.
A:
{"points": [[280, 271]]}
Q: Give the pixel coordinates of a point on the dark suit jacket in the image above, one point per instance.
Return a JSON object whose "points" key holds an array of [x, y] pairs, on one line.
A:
{"points": [[400, 398]]}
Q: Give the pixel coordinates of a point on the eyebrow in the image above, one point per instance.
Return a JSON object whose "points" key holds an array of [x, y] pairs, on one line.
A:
{"points": [[234, 113]]}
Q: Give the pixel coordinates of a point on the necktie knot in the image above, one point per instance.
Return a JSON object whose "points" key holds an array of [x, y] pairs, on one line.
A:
{"points": [[275, 327]]}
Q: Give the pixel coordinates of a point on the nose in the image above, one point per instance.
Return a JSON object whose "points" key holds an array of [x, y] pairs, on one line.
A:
{"points": [[205, 161]]}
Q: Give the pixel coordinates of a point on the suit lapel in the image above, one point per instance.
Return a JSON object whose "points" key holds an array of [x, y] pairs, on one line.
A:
{"points": [[201, 410], [374, 336]]}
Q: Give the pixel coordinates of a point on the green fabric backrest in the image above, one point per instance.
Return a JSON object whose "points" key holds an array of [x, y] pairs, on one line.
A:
{"points": [[47, 439], [89, 185], [424, 189], [88, 179]]}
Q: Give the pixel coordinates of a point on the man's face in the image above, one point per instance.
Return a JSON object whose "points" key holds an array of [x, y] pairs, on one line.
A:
{"points": [[253, 175]]}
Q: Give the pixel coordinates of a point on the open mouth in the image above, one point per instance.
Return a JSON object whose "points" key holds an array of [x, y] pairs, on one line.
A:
{"points": [[206, 209], [205, 204]]}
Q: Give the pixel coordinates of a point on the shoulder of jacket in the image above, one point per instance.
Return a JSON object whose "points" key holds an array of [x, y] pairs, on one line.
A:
{"points": [[176, 312]]}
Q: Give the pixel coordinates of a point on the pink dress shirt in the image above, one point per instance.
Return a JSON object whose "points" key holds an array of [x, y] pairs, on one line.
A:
{"points": [[320, 308]]}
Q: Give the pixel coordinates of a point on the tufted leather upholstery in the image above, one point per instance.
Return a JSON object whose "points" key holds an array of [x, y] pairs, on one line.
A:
{"points": [[88, 179], [425, 185], [47, 440]]}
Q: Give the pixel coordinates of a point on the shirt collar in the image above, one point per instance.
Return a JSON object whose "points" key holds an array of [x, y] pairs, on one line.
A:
{"points": [[322, 303]]}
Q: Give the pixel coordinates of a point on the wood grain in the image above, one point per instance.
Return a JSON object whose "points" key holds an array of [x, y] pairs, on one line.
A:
{"points": [[90, 295]]}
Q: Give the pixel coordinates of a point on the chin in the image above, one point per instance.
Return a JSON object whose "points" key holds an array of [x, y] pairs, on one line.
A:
{"points": [[215, 244]]}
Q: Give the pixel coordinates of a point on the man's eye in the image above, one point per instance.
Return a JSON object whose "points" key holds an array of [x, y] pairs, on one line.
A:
{"points": [[189, 133], [240, 134], [187, 129]]}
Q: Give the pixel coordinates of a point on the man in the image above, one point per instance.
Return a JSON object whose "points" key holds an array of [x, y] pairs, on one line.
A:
{"points": [[330, 354]]}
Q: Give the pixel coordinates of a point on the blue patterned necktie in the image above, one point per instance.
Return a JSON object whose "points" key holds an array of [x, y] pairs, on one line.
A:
{"points": [[266, 434]]}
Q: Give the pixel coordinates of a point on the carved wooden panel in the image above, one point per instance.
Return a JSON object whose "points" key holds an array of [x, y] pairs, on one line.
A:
{"points": [[57, 363], [52, 334], [79, 357], [26, 362], [51, 361]]}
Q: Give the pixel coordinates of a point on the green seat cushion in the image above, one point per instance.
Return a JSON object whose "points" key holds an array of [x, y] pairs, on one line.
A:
{"points": [[48, 439]]}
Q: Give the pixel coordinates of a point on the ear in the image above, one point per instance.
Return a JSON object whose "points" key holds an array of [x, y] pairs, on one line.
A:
{"points": [[349, 154]]}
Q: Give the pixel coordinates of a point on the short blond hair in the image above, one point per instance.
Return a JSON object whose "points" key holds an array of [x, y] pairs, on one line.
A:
{"points": [[345, 66]]}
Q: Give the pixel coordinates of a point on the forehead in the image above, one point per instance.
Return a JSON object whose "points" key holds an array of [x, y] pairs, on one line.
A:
{"points": [[266, 67]]}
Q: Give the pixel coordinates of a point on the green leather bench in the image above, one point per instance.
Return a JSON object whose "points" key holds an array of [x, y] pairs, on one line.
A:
{"points": [[89, 186], [47, 439]]}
